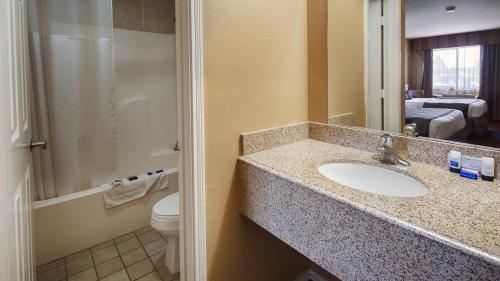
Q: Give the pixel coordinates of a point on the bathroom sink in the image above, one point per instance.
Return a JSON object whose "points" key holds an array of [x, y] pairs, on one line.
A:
{"points": [[373, 179]]}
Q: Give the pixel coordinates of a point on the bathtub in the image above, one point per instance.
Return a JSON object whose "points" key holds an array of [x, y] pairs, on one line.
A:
{"points": [[77, 221]]}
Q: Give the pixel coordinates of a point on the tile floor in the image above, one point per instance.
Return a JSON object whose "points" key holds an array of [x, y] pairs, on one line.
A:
{"points": [[135, 256]]}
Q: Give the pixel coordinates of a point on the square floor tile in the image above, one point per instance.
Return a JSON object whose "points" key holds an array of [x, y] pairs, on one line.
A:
{"points": [[128, 245], [139, 255], [105, 255], [102, 246], [50, 265], [79, 265], [87, 275], [155, 247], [158, 259], [55, 274], [78, 255], [117, 276], [140, 269], [149, 237], [166, 275], [134, 256], [108, 267], [143, 230], [125, 237], [153, 276]]}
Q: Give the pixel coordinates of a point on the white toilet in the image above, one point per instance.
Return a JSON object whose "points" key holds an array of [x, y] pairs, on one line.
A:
{"points": [[165, 219]]}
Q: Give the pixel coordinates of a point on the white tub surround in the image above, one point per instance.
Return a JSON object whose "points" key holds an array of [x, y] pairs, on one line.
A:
{"points": [[146, 101], [449, 233]]}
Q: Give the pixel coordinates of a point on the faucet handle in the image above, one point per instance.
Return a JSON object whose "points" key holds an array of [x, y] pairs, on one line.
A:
{"points": [[387, 140], [410, 130]]}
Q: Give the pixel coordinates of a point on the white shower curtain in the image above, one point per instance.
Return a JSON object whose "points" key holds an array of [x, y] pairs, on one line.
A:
{"points": [[73, 107]]}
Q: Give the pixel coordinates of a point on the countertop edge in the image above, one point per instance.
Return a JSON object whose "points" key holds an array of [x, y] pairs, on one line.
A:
{"points": [[470, 250]]}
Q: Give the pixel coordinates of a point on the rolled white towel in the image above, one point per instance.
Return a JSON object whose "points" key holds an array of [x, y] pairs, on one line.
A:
{"points": [[122, 191]]}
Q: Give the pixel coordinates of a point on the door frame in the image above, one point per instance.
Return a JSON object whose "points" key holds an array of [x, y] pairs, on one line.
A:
{"points": [[393, 65], [372, 65], [189, 43], [4, 82], [394, 29], [189, 30]]}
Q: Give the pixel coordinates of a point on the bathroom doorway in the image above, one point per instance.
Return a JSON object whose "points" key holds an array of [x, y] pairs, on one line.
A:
{"points": [[111, 98]]}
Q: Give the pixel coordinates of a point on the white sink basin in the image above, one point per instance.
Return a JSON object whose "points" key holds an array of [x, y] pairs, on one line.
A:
{"points": [[373, 179]]}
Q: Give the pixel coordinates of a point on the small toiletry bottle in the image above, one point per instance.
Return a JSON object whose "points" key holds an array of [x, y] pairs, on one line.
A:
{"points": [[487, 168], [467, 173], [455, 161]]}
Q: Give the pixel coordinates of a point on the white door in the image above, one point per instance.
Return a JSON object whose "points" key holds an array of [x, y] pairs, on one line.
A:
{"points": [[384, 51], [15, 162], [374, 65], [393, 57]]}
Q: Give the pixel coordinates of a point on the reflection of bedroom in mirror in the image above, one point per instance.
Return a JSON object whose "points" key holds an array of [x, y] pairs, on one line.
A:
{"points": [[423, 68], [452, 70]]}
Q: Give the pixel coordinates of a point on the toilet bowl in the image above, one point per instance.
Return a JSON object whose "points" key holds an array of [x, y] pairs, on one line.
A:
{"points": [[165, 219]]}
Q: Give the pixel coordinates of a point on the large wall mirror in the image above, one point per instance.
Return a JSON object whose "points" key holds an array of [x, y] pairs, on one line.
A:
{"points": [[424, 68]]}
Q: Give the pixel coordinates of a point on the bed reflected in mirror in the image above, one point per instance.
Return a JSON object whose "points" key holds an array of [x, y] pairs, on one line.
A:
{"points": [[452, 81]]}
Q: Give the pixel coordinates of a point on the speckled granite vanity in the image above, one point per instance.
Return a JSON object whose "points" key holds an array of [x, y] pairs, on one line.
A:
{"points": [[451, 233]]}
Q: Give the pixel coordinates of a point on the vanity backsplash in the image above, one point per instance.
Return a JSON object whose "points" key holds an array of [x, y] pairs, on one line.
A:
{"points": [[429, 151]]}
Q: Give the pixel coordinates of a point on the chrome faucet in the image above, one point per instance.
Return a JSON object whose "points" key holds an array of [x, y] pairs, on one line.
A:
{"points": [[387, 153], [410, 130]]}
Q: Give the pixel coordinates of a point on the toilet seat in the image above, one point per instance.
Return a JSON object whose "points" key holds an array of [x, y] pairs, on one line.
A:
{"points": [[167, 208], [165, 215], [165, 218]]}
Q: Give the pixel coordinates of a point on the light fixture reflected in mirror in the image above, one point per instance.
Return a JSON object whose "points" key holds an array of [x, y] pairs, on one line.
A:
{"points": [[450, 9]]}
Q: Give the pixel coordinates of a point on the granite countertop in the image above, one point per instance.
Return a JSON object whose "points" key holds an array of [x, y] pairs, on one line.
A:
{"points": [[458, 212]]}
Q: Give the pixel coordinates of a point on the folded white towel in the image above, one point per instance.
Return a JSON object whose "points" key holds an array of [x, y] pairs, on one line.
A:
{"points": [[122, 191]]}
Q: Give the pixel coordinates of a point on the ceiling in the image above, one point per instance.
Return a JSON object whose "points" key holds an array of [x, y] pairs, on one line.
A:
{"points": [[426, 18]]}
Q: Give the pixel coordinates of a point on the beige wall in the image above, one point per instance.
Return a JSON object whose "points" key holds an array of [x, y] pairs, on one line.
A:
{"points": [[346, 59], [255, 77], [317, 17]]}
